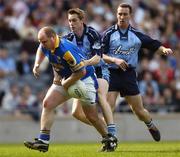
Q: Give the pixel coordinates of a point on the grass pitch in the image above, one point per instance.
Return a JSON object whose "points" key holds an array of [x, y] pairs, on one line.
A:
{"points": [[125, 149]]}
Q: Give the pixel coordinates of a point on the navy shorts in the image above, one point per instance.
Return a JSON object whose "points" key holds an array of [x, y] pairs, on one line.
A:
{"points": [[102, 72], [124, 82]]}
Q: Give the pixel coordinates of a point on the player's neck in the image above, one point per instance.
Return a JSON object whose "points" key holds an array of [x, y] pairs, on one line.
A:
{"points": [[123, 26], [79, 32]]}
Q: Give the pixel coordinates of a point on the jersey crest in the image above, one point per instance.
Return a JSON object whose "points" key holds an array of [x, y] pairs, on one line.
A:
{"points": [[69, 58]]}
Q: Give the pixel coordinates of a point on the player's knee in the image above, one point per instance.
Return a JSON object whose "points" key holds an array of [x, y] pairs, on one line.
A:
{"points": [[75, 114], [47, 104]]}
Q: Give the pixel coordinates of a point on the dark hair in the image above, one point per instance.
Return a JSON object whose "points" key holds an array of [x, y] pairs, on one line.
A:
{"points": [[126, 5], [77, 11]]}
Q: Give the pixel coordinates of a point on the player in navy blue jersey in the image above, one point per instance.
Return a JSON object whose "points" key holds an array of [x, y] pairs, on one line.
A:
{"points": [[121, 45], [88, 40], [67, 62]]}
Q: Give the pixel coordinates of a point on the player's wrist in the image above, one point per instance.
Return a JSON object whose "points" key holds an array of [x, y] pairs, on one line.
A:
{"points": [[161, 50], [85, 62], [36, 65]]}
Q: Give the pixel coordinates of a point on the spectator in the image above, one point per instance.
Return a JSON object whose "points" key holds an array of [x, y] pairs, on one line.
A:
{"points": [[7, 64], [149, 98], [24, 64], [168, 99], [177, 101], [27, 103], [11, 99], [7, 71], [164, 74], [148, 81]]}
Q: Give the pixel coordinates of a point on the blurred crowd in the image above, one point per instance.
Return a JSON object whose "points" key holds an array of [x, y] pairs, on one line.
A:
{"points": [[20, 20]]}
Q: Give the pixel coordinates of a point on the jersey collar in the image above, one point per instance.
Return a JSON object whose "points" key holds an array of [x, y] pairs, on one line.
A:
{"points": [[57, 41], [79, 40], [123, 35]]}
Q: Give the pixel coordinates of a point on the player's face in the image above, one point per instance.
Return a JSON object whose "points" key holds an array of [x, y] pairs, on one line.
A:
{"points": [[46, 42], [123, 17], [75, 23]]}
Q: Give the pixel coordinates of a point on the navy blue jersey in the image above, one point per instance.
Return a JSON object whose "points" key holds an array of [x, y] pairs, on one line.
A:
{"points": [[89, 42], [66, 59], [125, 44]]}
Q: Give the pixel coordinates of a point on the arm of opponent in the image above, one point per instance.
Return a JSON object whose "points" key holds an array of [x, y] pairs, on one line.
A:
{"points": [[119, 62], [92, 61]]}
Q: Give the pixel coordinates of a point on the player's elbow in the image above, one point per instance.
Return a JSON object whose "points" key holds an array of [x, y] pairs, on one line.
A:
{"points": [[82, 73]]}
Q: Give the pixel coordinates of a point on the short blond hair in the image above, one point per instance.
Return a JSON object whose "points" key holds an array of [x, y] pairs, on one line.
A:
{"points": [[79, 12]]}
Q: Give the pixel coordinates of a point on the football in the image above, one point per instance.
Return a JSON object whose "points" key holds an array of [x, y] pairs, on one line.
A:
{"points": [[77, 90]]}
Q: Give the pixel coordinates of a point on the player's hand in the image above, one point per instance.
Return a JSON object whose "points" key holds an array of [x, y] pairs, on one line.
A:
{"points": [[121, 63], [57, 82], [36, 71], [167, 51], [64, 84]]}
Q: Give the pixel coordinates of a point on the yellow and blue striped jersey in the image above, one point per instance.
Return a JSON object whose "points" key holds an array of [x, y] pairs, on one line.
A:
{"points": [[66, 59]]}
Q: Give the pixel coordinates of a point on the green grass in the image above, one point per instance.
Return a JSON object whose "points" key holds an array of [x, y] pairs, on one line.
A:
{"points": [[125, 149]]}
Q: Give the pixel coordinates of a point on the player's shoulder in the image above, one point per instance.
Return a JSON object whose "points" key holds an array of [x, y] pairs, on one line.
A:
{"points": [[64, 40], [90, 31], [138, 33], [110, 30], [135, 30], [66, 45], [69, 36]]}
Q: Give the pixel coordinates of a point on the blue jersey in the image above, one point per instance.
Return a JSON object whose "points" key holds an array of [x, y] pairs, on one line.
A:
{"points": [[89, 43], [66, 59], [125, 44]]}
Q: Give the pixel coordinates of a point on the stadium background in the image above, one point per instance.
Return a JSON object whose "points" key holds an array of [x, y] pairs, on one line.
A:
{"points": [[21, 94]]}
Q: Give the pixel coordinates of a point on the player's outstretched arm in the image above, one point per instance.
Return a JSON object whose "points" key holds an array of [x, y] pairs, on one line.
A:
{"points": [[108, 59], [164, 51], [92, 61], [119, 62]]}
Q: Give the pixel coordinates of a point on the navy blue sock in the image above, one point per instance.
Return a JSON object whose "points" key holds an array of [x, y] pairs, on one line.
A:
{"points": [[44, 136], [111, 128]]}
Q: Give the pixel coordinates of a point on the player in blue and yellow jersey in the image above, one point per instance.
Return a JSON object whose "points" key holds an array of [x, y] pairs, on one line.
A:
{"points": [[67, 62], [121, 44], [89, 41]]}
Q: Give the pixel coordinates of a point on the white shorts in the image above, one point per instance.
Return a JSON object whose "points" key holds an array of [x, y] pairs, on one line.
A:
{"points": [[89, 96]]}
